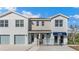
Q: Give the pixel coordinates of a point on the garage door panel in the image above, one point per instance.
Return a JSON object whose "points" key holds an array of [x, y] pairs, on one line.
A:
{"points": [[4, 39], [19, 39]]}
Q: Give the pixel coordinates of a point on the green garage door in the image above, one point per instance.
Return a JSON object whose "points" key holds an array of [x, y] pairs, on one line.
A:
{"points": [[19, 39], [4, 39]]}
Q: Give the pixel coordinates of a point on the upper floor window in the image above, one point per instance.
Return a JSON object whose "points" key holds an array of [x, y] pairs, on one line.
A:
{"points": [[42, 23], [37, 23], [61, 23], [3, 23], [19, 23], [58, 23]]}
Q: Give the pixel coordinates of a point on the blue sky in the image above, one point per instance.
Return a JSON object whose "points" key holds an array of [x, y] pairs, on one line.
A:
{"points": [[45, 12]]}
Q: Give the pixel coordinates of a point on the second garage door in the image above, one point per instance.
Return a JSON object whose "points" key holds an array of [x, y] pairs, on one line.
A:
{"points": [[19, 39]]}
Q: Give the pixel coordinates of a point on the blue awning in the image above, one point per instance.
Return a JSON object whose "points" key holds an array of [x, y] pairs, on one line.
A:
{"points": [[60, 33]]}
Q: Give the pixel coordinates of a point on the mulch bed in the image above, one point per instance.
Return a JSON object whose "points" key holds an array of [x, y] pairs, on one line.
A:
{"points": [[75, 47]]}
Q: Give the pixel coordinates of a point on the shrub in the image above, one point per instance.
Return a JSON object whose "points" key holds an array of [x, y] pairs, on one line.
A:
{"points": [[70, 41]]}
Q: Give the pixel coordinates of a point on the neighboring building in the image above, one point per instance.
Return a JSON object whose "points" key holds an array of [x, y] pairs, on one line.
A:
{"points": [[13, 28], [40, 28], [18, 29], [59, 29]]}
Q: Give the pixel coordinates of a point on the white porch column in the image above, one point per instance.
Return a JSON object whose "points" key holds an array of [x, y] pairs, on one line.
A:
{"points": [[58, 40], [39, 36], [44, 41], [52, 39], [35, 39], [44, 36]]}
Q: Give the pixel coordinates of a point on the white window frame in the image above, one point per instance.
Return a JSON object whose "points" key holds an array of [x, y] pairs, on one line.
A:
{"points": [[43, 23], [37, 23], [4, 23], [58, 23], [19, 23]]}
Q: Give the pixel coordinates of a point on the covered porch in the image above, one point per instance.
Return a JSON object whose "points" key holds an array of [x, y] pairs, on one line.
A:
{"points": [[39, 37], [60, 38]]}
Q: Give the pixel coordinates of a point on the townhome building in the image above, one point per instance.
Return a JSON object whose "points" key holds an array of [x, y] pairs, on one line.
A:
{"points": [[13, 28], [17, 29]]}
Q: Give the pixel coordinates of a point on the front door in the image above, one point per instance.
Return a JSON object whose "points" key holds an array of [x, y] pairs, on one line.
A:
{"points": [[61, 40], [55, 40], [32, 37]]}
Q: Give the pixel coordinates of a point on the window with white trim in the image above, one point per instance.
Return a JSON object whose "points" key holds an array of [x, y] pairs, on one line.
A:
{"points": [[58, 23], [37, 23], [42, 23], [19, 23], [3, 23]]}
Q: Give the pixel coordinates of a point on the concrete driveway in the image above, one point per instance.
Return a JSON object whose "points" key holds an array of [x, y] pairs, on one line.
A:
{"points": [[15, 47], [34, 48], [52, 48]]}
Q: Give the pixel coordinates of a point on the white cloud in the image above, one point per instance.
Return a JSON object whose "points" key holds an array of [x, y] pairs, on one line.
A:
{"points": [[30, 14], [1, 8], [11, 8], [74, 21], [75, 16], [8, 8], [27, 13]]}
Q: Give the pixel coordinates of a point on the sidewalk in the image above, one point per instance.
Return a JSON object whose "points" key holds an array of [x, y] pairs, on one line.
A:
{"points": [[55, 48], [51, 48], [35, 48], [15, 47]]}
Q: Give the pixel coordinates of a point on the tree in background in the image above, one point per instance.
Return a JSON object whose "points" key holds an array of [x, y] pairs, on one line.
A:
{"points": [[74, 30]]}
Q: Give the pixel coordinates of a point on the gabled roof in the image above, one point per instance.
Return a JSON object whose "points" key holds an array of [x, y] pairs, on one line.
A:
{"points": [[59, 15], [9, 12]]}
